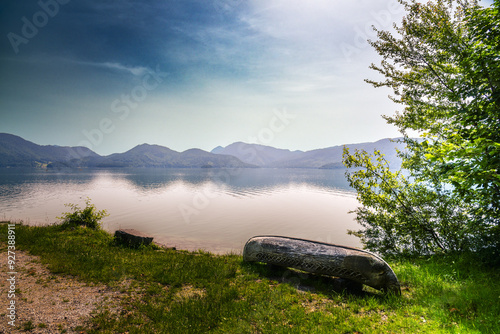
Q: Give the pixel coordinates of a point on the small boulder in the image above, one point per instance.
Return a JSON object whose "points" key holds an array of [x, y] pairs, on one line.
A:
{"points": [[132, 238]]}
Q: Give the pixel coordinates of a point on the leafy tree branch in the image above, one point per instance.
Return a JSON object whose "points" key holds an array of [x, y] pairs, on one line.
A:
{"points": [[443, 65]]}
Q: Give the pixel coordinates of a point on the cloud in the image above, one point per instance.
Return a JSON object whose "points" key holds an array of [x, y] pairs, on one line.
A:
{"points": [[136, 71]]}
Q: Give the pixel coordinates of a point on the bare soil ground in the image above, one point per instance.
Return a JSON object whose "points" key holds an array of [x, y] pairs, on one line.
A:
{"points": [[48, 303]]}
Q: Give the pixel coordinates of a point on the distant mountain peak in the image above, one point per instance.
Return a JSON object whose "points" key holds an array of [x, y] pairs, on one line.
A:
{"points": [[146, 145], [150, 148], [330, 157], [217, 150], [195, 150], [257, 154], [18, 152]]}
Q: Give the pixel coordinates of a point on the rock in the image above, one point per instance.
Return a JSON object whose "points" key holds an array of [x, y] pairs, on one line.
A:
{"points": [[324, 259], [132, 238]]}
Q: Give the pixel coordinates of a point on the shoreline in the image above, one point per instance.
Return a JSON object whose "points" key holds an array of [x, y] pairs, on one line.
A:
{"points": [[194, 244], [161, 290]]}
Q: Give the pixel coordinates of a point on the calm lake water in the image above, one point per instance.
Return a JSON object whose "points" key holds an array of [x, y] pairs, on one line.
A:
{"points": [[216, 210]]}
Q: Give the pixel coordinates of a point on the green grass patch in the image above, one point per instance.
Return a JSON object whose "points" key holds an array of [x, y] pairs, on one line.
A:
{"points": [[197, 292]]}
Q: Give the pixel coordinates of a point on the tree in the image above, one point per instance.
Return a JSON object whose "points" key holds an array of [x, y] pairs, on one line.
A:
{"points": [[401, 217], [444, 69]]}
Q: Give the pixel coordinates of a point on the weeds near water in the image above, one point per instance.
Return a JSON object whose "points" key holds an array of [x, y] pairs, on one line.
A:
{"points": [[87, 217]]}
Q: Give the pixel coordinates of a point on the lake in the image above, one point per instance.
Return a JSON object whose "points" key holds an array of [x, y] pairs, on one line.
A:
{"points": [[216, 210]]}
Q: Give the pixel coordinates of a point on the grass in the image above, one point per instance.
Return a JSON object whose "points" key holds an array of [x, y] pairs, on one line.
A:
{"points": [[172, 291]]}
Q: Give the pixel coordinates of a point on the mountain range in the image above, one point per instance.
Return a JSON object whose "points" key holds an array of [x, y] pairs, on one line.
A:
{"points": [[331, 157], [17, 152]]}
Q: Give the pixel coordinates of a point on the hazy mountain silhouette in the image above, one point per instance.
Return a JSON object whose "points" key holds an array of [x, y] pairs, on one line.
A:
{"points": [[255, 154], [146, 155], [17, 152], [331, 157]]}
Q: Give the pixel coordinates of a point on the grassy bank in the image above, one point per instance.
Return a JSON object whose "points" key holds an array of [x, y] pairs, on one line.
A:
{"points": [[182, 292]]}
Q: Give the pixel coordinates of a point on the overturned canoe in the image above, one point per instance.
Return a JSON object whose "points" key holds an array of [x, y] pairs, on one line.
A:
{"points": [[323, 259]]}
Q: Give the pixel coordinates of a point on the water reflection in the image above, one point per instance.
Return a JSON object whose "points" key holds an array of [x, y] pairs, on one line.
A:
{"points": [[237, 179], [212, 209]]}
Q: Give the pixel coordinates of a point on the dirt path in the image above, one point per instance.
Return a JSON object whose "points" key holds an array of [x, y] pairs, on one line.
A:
{"points": [[45, 302]]}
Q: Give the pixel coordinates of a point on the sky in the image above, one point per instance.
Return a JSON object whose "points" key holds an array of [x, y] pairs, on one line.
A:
{"points": [[184, 74]]}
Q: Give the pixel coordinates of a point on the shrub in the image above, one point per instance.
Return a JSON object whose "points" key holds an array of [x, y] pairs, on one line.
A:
{"points": [[87, 217]]}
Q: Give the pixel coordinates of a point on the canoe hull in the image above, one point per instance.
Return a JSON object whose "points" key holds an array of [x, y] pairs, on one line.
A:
{"points": [[323, 259]]}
